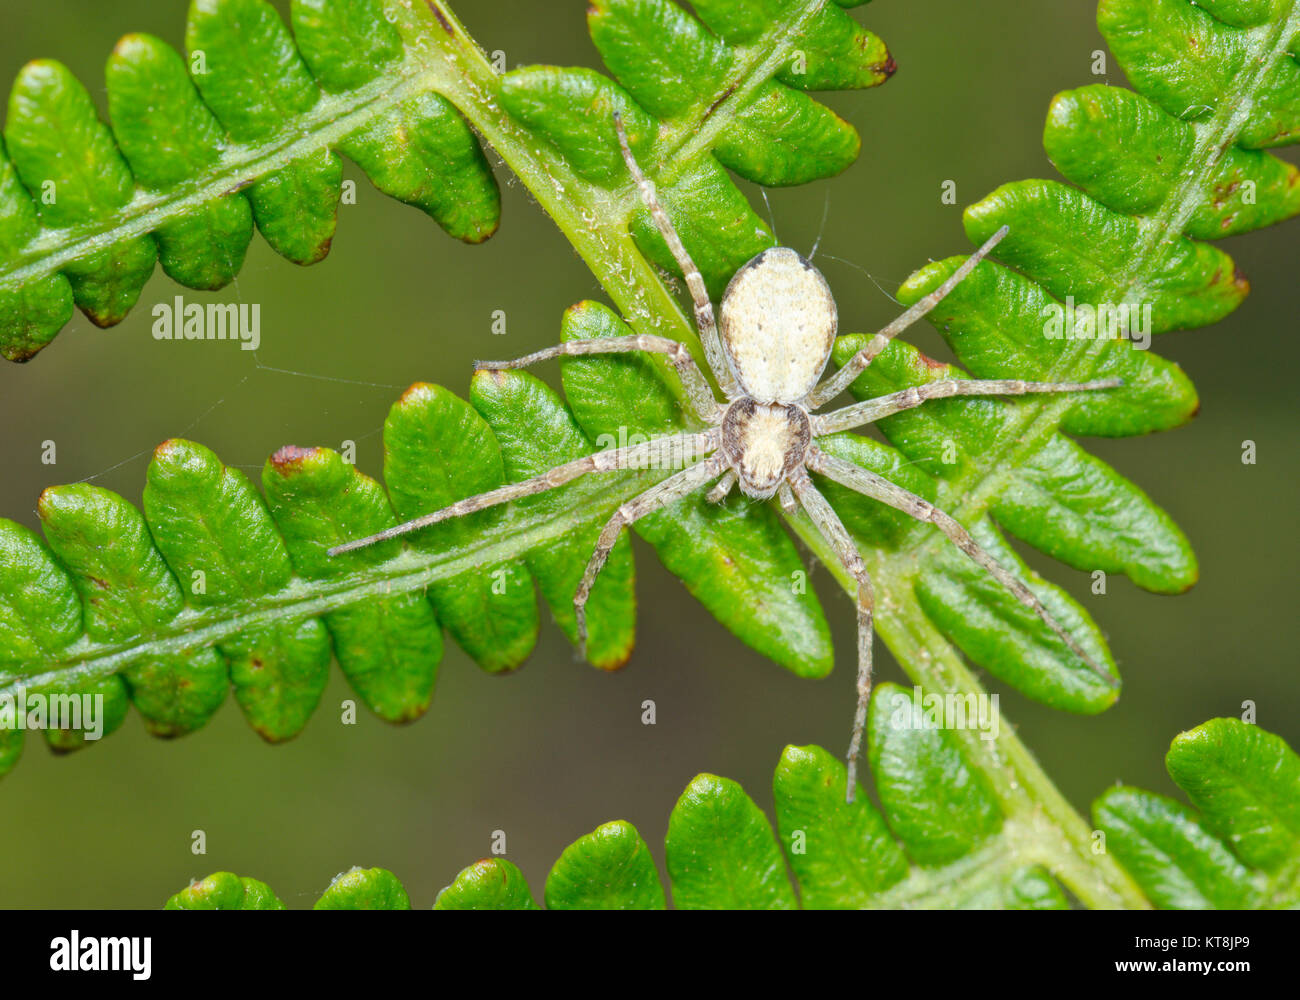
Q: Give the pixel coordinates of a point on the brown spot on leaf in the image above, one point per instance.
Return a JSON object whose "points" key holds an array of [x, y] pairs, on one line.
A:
{"points": [[102, 320], [721, 97], [414, 392], [481, 233], [495, 375], [291, 456], [45, 501], [166, 448], [322, 251]]}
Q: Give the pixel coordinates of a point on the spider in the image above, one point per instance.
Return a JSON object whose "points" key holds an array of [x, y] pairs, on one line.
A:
{"points": [[768, 350]]}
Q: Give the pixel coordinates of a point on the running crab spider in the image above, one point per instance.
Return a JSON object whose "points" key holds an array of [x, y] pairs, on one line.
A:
{"points": [[768, 350]]}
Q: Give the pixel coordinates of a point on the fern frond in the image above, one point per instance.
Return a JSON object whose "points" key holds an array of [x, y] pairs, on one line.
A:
{"points": [[250, 125], [275, 600], [939, 839], [1159, 171], [248, 128], [231, 579]]}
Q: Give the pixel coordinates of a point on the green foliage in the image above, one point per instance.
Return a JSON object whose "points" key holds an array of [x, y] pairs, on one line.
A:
{"points": [[218, 581], [1154, 178], [225, 891], [251, 125], [491, 884], [246, 129], [364, 889], [1242, 850], [939, 839], [210, 553], [776, 135], [609, 869]]}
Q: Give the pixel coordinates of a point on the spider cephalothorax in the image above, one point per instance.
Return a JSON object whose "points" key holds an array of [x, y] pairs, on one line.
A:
{"points": [[764, 443], [768, 352]]}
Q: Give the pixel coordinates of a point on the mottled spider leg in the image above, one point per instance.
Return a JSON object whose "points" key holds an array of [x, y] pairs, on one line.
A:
{"points": [[704, 321], [870, 410], [878, 488], [630, 457], [787, 500], [841, 380], [832, 529], [723, 487], [697, 387], [675, 487]]}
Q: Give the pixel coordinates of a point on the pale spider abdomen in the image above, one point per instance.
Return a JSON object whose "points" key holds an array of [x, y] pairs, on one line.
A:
{"points": [[778, 324]]}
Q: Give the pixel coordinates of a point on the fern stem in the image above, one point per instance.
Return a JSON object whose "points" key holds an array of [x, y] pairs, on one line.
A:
{"points": [[1050, 831], [947, 887], [332, 118], [591, 218], [412, 570], [595, 223]]}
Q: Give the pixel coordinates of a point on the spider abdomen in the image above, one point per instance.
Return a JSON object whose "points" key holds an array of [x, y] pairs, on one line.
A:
{"points": [[764, 443], [778, 323]]}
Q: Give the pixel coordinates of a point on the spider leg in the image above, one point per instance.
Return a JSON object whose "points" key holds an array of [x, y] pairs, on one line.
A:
{"points": [[788, 503], [832, 529], [720, 491], [697, 386], [634, 456], [878, 488], [841, 380], [664, 492], [704, 320], [870, 410]]}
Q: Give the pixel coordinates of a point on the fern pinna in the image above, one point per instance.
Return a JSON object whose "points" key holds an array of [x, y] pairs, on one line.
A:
{"points": [[940, 841], [778, 136], [215, 581]]}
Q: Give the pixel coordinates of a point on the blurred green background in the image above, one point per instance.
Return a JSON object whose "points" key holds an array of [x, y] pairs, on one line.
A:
{"points": [[551, 752]]}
